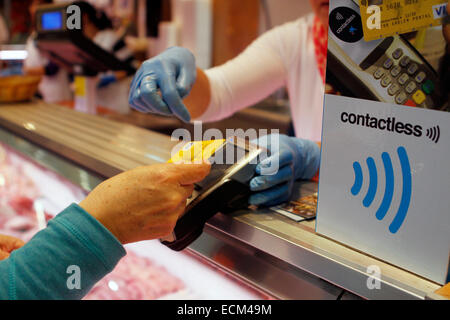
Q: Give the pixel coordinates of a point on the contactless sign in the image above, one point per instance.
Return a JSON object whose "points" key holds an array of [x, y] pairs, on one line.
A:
{"points": [[384, 190], [345, 23], [384, 176]]}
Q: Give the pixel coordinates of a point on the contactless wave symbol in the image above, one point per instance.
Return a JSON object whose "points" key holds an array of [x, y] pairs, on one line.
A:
{"points": [[389, 187], [434, 134]]}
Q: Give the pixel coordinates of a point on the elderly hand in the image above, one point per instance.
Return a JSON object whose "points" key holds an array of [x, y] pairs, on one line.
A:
{"points": [[144, 203], [9, 244]]}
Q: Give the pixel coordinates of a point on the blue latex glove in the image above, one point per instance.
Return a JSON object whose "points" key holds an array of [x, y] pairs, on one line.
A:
{"points": [[296, 159], [106, 80], [173, 72]]}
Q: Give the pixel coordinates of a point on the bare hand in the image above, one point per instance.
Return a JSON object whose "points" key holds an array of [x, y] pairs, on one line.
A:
{"points": [[144, 203], [9, 244]]}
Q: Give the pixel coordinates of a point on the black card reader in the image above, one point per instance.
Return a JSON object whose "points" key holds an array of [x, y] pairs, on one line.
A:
{"points": [[225, 189]]}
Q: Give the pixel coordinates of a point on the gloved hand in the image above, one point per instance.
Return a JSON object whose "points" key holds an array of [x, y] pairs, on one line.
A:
{"points": [[173, 72], [291, 158]]}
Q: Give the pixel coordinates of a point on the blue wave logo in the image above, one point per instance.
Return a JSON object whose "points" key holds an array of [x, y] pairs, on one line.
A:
{"points": [[389, 187]]}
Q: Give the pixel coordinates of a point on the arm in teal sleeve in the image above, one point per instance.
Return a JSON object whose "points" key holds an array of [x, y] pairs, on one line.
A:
{"points": [[63, 261]]}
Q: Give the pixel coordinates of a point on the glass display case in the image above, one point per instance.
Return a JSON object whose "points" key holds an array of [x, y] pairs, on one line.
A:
{"points": [[245, 254], [36, 185]]}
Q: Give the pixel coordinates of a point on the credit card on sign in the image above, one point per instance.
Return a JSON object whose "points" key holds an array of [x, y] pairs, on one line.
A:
{"points": [[197, 151], [384, 18]]}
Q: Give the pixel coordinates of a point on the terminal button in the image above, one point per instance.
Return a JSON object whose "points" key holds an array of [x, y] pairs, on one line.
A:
{"points": [[420, 77], [428, 87], [411, 87], [386, 81], [388, 63], [401, 98], [412, 68], [403, 78], [410, 103], [405, 61], [396, 71], [393, 89], [419, 97], [397, 53], [378, 73]]}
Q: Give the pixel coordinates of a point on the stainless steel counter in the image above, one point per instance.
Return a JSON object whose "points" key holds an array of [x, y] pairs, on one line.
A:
{"points": [[284, 258]]}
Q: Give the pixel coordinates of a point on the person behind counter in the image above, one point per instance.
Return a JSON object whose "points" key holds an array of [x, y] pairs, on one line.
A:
{"points": [[98, 27], [293, 54], [140, 204]]}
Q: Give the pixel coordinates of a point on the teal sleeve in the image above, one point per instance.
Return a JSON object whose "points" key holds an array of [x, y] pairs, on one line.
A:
{"points": [[63, 261]]}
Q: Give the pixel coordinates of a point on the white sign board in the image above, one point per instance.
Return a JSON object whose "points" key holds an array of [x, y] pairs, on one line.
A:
{"points": [[384, 184], [383, 192]]}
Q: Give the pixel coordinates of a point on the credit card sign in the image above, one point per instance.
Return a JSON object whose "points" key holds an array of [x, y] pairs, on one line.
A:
{"points": [[384, 18]]}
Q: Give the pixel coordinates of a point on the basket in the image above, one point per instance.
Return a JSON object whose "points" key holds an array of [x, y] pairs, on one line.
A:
{"points": [[18, 88]]}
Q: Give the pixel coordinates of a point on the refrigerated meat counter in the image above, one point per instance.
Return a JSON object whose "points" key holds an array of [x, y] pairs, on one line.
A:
{"points": [[248, 254]]}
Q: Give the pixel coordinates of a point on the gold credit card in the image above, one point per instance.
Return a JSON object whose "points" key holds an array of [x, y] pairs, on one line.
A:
{"points": [[384, 18], [197, 151]]}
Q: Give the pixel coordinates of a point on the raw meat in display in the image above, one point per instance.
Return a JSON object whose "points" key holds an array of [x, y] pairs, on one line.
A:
{"points": [[24, 191], [17, 194], [135, 278]]}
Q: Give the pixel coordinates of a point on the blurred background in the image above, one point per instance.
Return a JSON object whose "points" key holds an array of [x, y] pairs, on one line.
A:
{"points": [[214, 30]]}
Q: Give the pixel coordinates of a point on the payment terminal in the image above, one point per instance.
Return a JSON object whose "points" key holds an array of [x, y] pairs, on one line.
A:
{"points": [[233, 163], [67, 45], [388, 70]]}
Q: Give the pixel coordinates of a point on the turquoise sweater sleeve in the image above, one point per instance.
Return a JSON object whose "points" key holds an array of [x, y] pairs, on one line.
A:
{"points": [[63, 261]]}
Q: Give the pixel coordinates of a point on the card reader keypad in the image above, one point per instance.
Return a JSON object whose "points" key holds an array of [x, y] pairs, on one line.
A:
{"points": [[403, 79], [396, 71], [393, 89]]}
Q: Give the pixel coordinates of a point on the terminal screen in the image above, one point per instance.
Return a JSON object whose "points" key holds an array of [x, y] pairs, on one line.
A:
{"points": [[52, 20]]}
